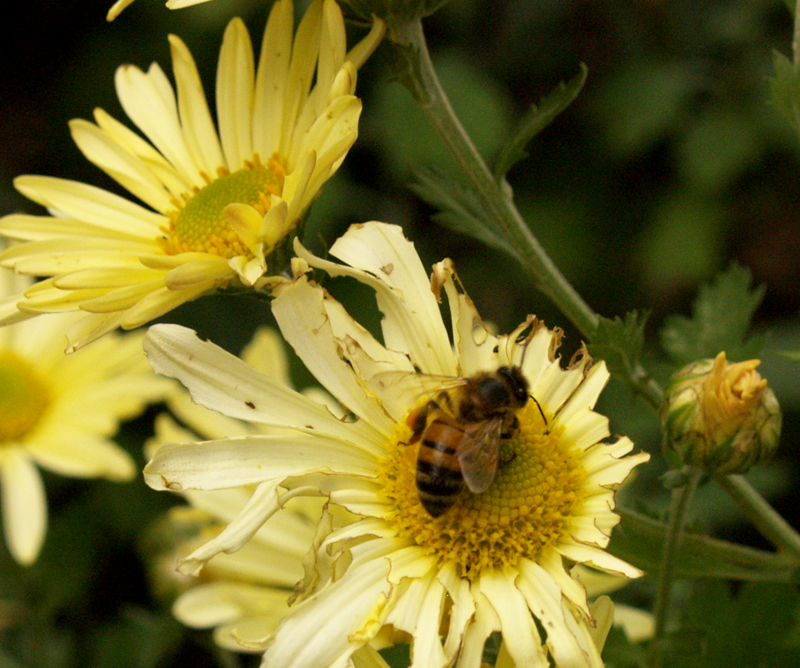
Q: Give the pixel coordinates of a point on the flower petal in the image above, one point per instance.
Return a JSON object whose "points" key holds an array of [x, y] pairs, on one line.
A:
{"points": [[383, 259], [235, 81], [24, 505], [223, 382]]}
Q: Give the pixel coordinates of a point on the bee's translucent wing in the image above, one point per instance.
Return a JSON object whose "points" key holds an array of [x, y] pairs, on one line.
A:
{"points": [[405, 389], [479, 453]]}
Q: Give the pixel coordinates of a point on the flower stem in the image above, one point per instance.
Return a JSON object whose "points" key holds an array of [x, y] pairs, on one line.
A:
{"points": [[420, 77], [763, 516], [679, 504]]}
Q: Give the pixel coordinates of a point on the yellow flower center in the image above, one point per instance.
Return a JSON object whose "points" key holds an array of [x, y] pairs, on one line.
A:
{"points": [[198, 224], [24, 396], [539, 483]]}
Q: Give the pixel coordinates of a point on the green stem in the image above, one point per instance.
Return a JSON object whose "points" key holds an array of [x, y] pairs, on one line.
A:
{"points": [[679, 504], [763, 516], [421, 79], [796, 35]]}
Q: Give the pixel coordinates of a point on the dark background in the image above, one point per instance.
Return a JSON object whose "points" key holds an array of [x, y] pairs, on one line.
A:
{"points": [[670, 165]]}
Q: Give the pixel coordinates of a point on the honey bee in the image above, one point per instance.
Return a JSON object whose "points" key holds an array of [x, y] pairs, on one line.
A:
{"points": [[460, 432]]}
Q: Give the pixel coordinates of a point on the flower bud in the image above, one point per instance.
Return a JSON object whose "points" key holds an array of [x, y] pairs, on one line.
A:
{"points": [[721, 417], [394, 11]]}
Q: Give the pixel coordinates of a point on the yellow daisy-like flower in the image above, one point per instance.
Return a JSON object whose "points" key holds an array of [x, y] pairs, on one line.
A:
{"points": [[61, 413], [220, 202], [497, 560]]}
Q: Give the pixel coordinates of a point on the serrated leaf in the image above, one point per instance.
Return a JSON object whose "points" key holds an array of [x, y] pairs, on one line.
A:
{"points": [[720, 319], [536, 119], [639, 540], [619, 342], [784, 89], [458, 209]]}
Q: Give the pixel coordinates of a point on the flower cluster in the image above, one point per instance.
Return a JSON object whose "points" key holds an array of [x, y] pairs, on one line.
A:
{"points": [[442, 486]]}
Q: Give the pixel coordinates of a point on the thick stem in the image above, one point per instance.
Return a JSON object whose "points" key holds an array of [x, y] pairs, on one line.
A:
{"points": [[763, 516], [679, 504], [421, 79]]}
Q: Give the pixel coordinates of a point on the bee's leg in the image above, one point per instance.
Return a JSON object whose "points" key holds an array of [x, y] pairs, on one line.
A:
{"points": [[510, 428]]}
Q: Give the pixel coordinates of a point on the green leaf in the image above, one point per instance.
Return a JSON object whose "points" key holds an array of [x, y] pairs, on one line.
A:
{"points": [[751, 628], [536, 119], [639, 539], [784, 89], [619, 342], [458, 209], [720, 319]]}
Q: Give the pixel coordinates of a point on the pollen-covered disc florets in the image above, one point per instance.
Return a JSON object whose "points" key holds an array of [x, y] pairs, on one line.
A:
{"points": [[539, 483], [199, 224]]}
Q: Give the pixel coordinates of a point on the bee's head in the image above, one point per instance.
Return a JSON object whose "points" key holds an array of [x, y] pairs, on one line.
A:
{"points": [[517, 382]]}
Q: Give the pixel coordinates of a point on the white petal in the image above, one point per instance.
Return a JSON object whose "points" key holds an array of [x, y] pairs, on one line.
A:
{"points": [[82, 454], [519, 631], [483, 625], [301, 312], [596, 557], [251, 459], [24, 505], [418, 611], [544, 598], [262, 505], [223, 382], [120, 164], [383, 259], [330, 626], [585, 396], [214, 603]]}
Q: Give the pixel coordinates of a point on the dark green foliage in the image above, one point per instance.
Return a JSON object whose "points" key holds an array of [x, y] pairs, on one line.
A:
{"points": [[721, 317]]}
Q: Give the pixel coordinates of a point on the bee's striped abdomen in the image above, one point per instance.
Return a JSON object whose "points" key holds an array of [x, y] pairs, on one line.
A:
{"points": [[439, 478]]}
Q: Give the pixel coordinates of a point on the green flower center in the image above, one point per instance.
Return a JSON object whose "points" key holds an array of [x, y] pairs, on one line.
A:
{"points": [[24, 396], [539, 484], [198, 225]]}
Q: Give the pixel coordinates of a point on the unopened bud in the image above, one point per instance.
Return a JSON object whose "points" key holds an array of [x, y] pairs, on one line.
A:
{"points": [[721, 417]]}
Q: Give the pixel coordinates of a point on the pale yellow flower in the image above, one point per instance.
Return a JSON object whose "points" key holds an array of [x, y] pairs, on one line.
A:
{"points": [[61, 413], [217, 202], [495, 561]]}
